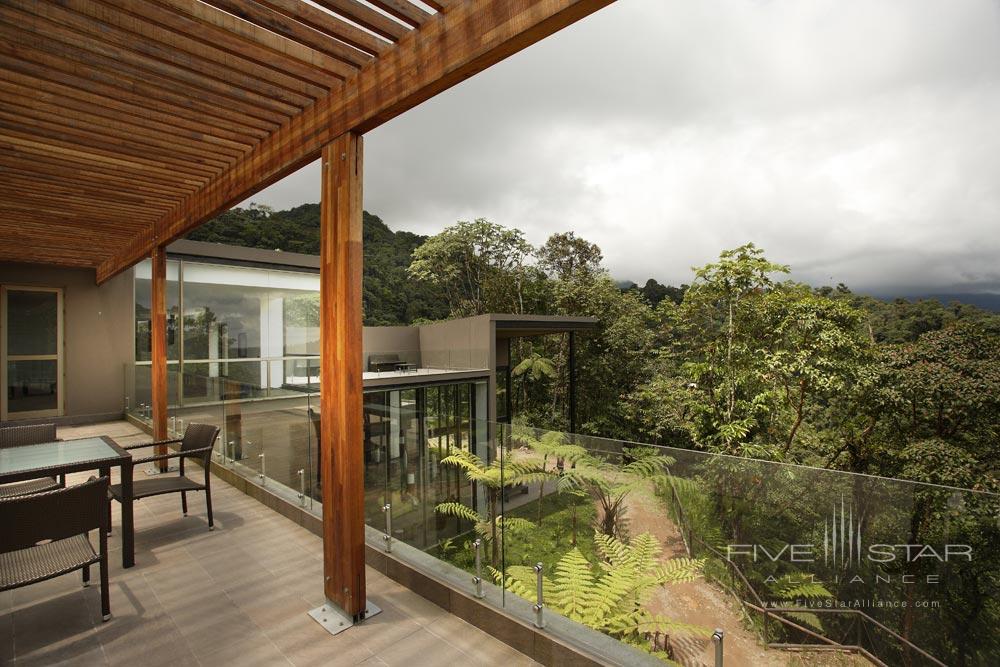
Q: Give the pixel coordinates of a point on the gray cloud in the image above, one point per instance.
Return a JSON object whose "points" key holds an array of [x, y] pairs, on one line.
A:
{"points": [[856, 141]]}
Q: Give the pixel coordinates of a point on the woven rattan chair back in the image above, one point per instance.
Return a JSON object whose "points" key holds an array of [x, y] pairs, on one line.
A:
{"points": [[31, 434], [197, 436], [54, 515]]}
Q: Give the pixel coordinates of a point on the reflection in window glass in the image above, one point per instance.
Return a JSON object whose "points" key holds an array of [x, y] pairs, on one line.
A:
{"points": [[32, 385], [32, 322], [143, 311]]}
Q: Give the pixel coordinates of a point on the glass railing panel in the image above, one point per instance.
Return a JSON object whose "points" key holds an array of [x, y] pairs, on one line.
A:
{"points": [[243, 429], [376, 435], [777, 555], [810, 557], [294, 376], [284, 431], [313, 472], [139, 395]]}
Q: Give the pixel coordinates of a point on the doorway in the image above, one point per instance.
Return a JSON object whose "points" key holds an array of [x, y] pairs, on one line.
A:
{"points": [[31, 352]]}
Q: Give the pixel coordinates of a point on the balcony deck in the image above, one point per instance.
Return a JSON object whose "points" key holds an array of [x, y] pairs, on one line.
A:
{"points": [[238, 595]]}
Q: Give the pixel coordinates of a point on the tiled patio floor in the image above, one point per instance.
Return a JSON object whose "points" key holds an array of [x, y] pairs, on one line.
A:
{"points": [[235, 596]]}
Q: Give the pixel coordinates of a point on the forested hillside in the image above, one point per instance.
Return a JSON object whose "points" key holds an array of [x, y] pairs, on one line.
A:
{"points": [[390, 296]]}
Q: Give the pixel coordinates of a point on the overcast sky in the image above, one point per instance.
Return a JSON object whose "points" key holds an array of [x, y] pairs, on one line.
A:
{"points": [[858, 141]]}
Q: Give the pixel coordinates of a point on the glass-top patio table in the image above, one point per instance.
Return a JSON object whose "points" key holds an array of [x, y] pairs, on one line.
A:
{"points": [[51, 459]]}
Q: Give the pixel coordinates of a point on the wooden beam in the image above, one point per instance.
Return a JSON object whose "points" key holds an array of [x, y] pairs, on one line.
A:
{"points": [[158, 334], [341, 395], [447, 49]]}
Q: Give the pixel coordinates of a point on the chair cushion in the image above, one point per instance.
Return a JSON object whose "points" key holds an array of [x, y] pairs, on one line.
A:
{"points": [[144, 488], [26, 566], [30, 486]]}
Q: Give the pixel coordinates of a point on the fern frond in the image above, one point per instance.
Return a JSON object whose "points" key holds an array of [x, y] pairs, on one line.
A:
{"points": [[790, 589], [807, 618], [680, 570], [458, 510], [642, 623]]}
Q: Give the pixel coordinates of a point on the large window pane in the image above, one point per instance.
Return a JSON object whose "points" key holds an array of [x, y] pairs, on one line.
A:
{"points": [[301, 324], [32, 323], [224, 312]]}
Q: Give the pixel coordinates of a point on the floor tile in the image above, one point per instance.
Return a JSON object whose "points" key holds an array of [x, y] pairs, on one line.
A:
{"points": [[239, 595]]}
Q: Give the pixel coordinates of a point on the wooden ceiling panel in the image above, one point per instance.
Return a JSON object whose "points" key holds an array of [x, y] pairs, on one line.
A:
{"points": [[277, 22], [183, 49], [126, 123]]}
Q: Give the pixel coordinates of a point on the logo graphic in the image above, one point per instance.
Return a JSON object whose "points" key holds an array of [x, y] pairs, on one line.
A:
{"points": [[841, 538], [843, 547]]}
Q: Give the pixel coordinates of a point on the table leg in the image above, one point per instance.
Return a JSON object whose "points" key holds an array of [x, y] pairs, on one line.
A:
{"points": [[106, 472], [128, 527]]}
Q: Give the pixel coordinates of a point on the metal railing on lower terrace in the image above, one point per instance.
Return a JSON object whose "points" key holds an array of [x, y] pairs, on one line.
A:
{"points": [[637, 553]]}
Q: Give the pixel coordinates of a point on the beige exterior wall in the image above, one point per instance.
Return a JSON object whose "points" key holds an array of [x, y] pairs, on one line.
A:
{"points": [[403, 341], [464, 343], [97, 338]]}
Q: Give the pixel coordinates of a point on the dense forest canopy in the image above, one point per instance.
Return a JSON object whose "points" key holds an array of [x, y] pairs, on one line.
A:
{"points": [[742, 360]]}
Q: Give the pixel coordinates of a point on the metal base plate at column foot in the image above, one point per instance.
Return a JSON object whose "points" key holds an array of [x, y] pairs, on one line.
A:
{"points": [[335, 621]]}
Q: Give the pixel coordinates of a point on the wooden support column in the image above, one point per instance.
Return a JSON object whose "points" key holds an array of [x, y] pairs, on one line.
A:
{"points": [[341, 447], [158, 334]]}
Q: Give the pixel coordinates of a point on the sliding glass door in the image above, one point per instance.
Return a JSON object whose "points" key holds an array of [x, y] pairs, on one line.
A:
{"points": [[31, 360]]}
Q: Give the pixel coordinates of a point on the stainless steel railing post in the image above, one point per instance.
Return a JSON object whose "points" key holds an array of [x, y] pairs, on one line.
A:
{"points": [[387, 509], [539, 606], [717, 640], [302, 486], [478, 579], [262, 475]]}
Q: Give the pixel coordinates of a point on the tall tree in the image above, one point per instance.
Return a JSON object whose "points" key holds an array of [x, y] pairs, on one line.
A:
{"points": [[481, 267]]}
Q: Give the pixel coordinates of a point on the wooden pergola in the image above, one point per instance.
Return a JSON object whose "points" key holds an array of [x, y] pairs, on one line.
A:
{"points": [[125, 124]]}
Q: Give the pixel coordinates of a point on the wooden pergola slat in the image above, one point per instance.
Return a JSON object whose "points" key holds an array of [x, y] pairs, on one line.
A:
{"points": [[115, 109], [433, 58], [281, 24], [183, 49], [115, 49], [126, 124], [329, 24]]}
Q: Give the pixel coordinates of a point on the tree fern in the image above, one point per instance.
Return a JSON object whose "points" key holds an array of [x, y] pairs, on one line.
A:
{"points": [[609, 596]]}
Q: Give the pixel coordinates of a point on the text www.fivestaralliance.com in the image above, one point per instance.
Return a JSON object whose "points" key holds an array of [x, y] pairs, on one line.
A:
{"points": [[854, 604]]}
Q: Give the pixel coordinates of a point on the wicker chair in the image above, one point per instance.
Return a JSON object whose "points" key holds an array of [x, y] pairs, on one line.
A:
{"points": [[33, 434], [45, 535], [197, 443]]}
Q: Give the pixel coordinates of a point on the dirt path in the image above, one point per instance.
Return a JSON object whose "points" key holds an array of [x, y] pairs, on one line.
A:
{"points": [[697, 602], [703, 604]]}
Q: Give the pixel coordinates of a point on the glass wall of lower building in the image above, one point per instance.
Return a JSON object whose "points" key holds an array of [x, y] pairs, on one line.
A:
{"points": [[231, 326], [408, 432]]}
